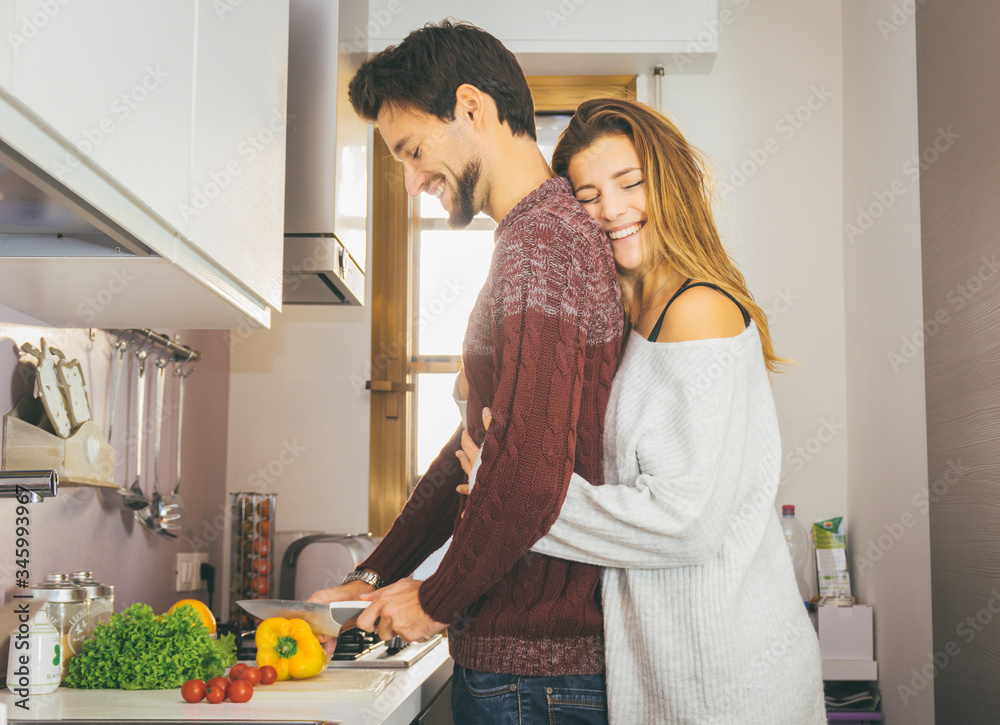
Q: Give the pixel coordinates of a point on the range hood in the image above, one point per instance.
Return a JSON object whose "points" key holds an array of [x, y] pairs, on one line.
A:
{"points": [[320, 271], [326, 169]]}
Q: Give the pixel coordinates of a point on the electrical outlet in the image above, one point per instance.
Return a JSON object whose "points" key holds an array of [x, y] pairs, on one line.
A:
{"points": [[200, 557], [186, 573]]}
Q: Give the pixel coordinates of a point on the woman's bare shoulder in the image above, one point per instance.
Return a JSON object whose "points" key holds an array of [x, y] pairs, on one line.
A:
{"points": [[701, 313]]}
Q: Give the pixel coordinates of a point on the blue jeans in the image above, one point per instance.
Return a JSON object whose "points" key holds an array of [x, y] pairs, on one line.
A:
{"points": [[487, 698]]}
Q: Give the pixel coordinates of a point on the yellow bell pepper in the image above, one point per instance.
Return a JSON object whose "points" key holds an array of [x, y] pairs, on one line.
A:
{"points": [[290, 647]]}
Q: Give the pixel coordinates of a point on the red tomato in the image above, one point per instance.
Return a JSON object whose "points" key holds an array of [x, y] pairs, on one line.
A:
{"points": [[234, 671], [268, 675], [261, 547], [262, 566], [215, 695], [193, 690], [260, 584], [249, 674], [240, 691], [222, 683]]}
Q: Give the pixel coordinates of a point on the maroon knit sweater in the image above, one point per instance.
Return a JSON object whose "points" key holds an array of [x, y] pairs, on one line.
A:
{"points": [[540, 351]]}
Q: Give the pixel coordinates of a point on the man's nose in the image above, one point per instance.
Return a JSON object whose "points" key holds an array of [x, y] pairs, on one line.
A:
{"points": [[414, 180]]}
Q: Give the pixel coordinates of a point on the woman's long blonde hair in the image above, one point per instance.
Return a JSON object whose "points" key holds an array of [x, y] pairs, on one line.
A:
{"points": [[678, 199]]}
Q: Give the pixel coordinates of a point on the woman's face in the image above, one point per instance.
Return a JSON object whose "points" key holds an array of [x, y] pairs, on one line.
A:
{"points": [[608, 180]]}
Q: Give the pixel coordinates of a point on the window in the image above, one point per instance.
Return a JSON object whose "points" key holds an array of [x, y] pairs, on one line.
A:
{"points": [[425, 279]]}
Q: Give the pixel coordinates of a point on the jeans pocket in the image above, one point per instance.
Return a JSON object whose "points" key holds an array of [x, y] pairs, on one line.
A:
{"points": [[489, 684], [578, 706]]}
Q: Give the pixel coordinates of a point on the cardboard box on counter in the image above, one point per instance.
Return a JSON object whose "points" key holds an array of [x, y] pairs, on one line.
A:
{"points": [[845, 633]]}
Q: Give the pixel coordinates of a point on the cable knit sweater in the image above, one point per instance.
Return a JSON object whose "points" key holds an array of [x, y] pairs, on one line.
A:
{"points": [[540, 350], [703, 621]]}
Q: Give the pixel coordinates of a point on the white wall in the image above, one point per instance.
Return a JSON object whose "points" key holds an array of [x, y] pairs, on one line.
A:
{"points": [[299, 416], [889, 535], [781, 214]]}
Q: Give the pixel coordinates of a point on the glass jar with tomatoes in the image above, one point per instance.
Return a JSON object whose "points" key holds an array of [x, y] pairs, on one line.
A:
{"points": [[252, 550]]}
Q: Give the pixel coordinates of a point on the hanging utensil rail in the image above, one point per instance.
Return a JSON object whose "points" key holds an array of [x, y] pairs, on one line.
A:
{"points": [[183, 355]]}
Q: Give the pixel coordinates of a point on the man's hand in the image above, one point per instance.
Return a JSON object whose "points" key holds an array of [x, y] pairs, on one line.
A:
{"points": [[398, 611], [351, 591]]}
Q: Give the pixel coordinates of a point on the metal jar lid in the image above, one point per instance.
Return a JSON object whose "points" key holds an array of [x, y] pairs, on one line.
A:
{"points": [[55, 589], [94, 589]]}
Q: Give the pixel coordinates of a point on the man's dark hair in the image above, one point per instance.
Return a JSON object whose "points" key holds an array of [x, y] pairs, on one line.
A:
{"points": [[426, 69]]}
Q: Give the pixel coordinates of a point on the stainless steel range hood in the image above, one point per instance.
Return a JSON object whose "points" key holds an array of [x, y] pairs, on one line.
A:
{"points": [[320, 271], [326, 171]]}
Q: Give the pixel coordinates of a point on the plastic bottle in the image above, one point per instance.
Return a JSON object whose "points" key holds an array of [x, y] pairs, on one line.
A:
{"points": [[800, 551]]}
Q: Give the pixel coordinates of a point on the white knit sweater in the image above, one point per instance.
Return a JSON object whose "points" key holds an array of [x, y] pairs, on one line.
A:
{"points": [[703, 620]]}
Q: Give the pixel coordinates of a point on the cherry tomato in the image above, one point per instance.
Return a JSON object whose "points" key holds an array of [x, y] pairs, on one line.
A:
{"points": [[268, 675], [240, 691], [262, 566], [193, 690], [261, 547], [234, 671], [215, 695], [260, 584], [222, 683], [248, 674]]}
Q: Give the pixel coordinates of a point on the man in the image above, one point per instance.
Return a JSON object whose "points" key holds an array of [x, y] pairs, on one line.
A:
{"points": [[540, 351]]}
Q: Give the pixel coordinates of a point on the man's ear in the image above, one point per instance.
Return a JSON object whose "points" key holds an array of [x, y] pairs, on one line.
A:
{"points": [[470, 104]]}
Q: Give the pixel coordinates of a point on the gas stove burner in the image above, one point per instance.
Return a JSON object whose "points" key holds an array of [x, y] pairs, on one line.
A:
{"points": [[355, 643]]}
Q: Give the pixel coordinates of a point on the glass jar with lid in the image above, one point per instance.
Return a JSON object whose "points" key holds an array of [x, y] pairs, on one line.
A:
{"points": [[101, 596], [68, 607]]}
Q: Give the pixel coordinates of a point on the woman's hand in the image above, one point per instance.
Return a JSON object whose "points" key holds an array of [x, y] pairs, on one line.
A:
{"points": [[467, 456]]}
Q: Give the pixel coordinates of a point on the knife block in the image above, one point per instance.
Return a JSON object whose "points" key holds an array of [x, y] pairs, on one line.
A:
{"points": [[82, 459]]}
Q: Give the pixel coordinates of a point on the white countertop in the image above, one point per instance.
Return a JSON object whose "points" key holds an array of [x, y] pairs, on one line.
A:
{"points": [[411, 690]]}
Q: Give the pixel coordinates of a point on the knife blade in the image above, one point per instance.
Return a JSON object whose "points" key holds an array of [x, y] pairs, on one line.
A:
{"points": [[322, 618]]}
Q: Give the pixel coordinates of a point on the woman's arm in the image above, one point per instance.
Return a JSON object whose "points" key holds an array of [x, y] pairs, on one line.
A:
{"points": [[695, 419]]}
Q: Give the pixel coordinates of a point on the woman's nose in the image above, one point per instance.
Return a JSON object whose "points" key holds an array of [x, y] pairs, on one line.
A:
{"points": [[611, 207]]}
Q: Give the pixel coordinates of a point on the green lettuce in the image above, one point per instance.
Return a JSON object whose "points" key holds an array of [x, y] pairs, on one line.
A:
{"points": [[138, 650]]}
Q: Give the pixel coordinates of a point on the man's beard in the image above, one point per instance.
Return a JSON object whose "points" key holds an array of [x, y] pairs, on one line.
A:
{"points": [[463, 200]]}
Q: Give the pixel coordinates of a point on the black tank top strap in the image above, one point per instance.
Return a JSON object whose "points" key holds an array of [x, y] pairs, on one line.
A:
{"points": [[688, 284]]}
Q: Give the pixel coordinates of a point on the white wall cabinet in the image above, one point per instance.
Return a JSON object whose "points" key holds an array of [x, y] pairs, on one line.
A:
{"points": [[115, 80], [566, 36], [162, 124]]}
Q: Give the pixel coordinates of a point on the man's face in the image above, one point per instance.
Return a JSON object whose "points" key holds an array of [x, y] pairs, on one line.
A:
{"points": [[439, 158]]}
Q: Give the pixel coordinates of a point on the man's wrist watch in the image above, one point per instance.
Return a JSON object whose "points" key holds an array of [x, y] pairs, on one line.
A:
{"points": [[365, 575]]}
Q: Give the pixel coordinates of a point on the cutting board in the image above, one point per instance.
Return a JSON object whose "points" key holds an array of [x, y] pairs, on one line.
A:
{"points": [[328, 685]]}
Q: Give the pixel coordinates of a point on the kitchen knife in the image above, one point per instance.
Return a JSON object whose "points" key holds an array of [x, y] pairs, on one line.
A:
{"points": [[322, 618]]}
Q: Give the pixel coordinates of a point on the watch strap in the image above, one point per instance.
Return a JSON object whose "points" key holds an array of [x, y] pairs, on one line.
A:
{"points": [[365, 575]]}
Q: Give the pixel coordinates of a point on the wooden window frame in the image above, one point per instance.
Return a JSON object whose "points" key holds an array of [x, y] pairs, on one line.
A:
{"points": [[391, 275]]}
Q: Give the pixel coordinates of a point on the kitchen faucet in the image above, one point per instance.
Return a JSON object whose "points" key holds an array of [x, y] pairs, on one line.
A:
{"points": [[35, 485]]}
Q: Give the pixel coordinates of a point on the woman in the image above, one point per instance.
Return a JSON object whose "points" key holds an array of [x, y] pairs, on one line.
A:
{"points": [[703, 620]]}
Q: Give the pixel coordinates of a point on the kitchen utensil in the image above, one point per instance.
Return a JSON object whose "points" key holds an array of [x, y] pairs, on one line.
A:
{"points": [[322, 618], [74, 389], [121, 346], [174, 517], [329, 685], [124, 498], [154, 513], [47, 383], [140, 513]]}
